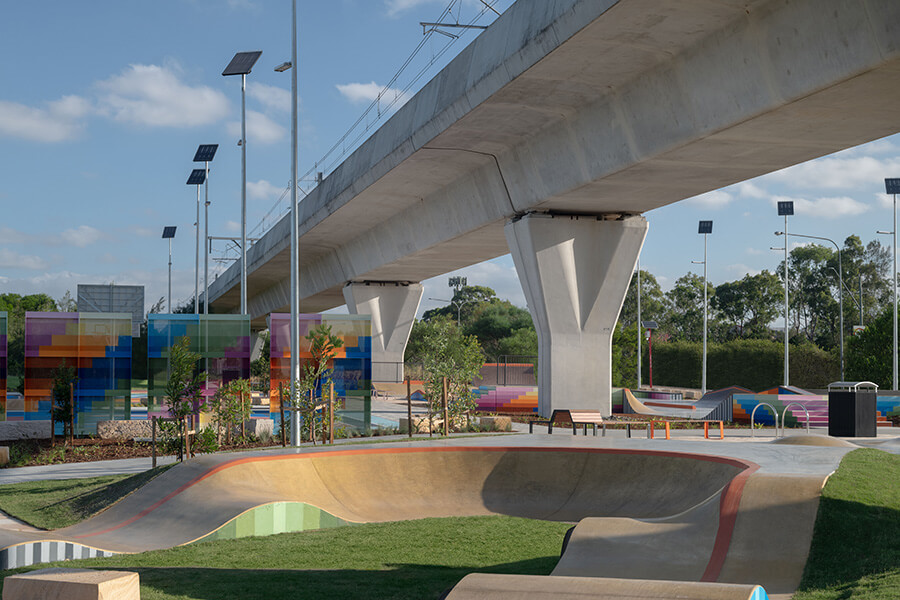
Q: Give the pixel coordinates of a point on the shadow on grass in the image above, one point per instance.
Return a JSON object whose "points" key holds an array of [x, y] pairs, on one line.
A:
{"points": [[399, 582]]}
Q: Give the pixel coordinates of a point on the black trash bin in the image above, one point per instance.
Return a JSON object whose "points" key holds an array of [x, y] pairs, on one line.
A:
{"points": [[851, 409]]}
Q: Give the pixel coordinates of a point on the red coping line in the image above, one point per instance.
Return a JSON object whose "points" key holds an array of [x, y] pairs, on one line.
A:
{"points": [[728, 506]]}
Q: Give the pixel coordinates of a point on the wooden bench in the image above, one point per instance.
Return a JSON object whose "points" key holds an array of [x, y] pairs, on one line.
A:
{"points": [[583, 418], [668, 422]]}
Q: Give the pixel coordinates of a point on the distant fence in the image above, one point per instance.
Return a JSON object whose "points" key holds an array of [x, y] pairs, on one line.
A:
{"points": [[510, 370]]}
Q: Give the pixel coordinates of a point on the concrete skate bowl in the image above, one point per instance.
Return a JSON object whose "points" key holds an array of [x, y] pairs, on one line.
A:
{"points": [[637, 511]]}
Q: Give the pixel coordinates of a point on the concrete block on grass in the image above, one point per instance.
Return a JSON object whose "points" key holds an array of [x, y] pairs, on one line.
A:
{"points": [[72, 584]]}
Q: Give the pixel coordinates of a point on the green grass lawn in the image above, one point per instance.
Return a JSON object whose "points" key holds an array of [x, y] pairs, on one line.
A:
{"points": [[408, 559], [855, 551], [60, 503]]}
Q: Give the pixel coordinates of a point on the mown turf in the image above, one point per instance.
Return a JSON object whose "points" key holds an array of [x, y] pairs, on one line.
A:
{"points": [[855, 553], [410, 559], [59, 503]]}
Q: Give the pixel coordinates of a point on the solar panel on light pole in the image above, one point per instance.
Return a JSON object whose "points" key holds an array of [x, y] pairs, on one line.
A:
{"points": [[205, 153], [242, 64], [167, 234], [197, 177]]}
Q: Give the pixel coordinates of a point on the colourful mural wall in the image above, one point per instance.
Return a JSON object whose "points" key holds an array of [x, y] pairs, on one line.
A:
{"points": [[352, 364], [222, 341], [98, 345], [506, 398], [3, 356]]}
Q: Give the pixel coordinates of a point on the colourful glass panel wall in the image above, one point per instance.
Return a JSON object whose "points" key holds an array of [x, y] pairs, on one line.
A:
{"points": [[98, 345], [352, 365], [222, 341], [3, 356]]}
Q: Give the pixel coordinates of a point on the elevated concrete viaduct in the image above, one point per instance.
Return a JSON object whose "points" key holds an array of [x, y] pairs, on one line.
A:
{"points": [[554, 131]]}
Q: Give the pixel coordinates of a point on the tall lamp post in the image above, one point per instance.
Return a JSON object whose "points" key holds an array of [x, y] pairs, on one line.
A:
{"points": [[639, 323], [295, 225], [649, 326], [197, 177], [458, 306], [205, 153], [705, 229], [840, 284], [167, 234], [242, 64], [786, 209], [892, 187]]}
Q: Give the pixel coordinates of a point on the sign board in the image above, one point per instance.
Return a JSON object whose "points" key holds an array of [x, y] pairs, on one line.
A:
{"points": [[114, 298]]}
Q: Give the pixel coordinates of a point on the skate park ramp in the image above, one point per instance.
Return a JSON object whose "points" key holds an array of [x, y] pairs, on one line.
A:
{"points": [[714, 405], [480, 586], [642, 513]]}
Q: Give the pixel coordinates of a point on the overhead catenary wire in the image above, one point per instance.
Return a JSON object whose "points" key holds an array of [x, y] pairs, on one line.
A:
{"points": [[386, 99]]}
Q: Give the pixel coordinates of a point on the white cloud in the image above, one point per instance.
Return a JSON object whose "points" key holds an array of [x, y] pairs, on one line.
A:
{"points": [[741, 269], [13, 236], [712, 200], [154, 96], [885, 200], [10, 259], [367, 92], [263, 190], [395, 7], [827, 208], [270, 96], [260, 129], [750, 190], [232, 226], [59, 121], [839, 172], [81, 236]]}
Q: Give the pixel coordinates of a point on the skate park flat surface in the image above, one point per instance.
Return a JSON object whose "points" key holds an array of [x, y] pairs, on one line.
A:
{"points": [[683, 509]]}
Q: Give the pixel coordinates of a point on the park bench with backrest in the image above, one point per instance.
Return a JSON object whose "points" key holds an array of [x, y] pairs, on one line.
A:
{"points": [[581, 418]]}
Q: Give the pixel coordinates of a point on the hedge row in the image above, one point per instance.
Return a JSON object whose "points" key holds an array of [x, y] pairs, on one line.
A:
{"points": [[754, 364]]}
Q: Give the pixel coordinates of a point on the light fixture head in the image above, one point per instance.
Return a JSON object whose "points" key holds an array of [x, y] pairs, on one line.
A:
{"points": [[779, 233], [283, 67], [885, 232]]}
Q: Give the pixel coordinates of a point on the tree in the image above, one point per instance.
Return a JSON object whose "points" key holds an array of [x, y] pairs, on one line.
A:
{"points": [[495, 322], [447, 353], [67, 303], [464, 303], [61, 394], [16, 306], [184, 386], [685, 318], [260, 367], [749, 304], [654, 304], [869, 352], [315, 378]]}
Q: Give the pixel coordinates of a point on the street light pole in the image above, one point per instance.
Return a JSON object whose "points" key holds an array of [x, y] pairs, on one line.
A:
{"points": [[639, 324], [167, 234], [197, 177], [892, 186], [242, 64], [295, 225], [840, 284], [205, 153], [786, 208], [705, 228]]}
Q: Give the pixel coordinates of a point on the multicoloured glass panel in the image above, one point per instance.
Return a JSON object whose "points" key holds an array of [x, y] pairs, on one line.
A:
{"points": [[98, 345], [222, 341], [352, 364]]}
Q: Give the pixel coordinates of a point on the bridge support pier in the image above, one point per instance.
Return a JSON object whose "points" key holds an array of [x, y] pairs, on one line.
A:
{"points": [[575, 271], [393, 307]]}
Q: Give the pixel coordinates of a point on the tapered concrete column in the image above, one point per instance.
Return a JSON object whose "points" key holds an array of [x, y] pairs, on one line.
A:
{"points": [[575, 273], [393, 309]]}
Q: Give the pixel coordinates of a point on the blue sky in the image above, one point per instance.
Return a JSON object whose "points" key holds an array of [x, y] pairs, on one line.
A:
{"points": [[103, 104]]}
